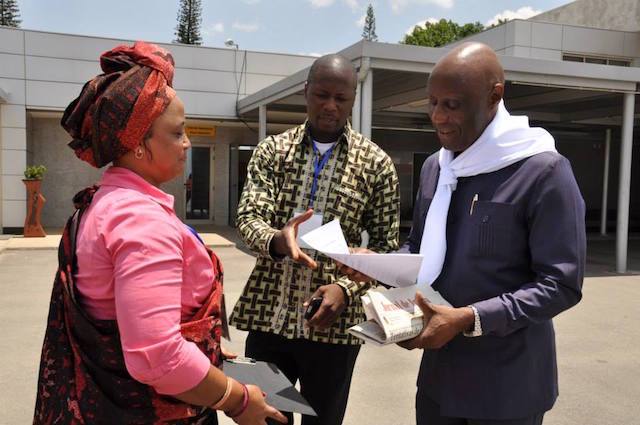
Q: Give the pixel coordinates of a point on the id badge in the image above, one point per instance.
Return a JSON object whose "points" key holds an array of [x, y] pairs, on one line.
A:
{"points": [[306, 226]]}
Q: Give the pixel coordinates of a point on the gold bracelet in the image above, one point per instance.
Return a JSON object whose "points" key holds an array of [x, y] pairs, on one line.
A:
{"points": [[225, 396]]}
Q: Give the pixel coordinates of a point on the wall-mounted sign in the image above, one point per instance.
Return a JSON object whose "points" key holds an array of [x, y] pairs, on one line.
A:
{"points": [[200, 131]]}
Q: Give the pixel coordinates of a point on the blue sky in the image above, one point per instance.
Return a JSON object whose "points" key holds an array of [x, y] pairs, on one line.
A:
{"points": [[291, 26]]}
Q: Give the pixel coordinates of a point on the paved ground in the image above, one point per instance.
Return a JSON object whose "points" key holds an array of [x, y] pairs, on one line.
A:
{"points": [[52, 240], [598, 348]]}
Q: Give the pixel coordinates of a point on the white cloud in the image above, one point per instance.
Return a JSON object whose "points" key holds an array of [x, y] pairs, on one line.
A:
{"points": [[245, 27], [360, 22], [353, 4], [397, 5], [524, 12], [321, 3], [421, 24], [218, 27], [251, 1]]}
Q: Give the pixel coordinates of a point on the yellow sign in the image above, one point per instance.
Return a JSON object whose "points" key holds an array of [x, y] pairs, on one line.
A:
{"points": [[200, 131]]}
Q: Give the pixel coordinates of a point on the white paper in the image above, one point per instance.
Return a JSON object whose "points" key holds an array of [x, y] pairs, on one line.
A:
{"points": [[391, 269], [314, 222], [327, 238]]}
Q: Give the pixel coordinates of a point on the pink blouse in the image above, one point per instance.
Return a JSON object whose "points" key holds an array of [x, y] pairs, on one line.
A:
{"points": [[140, 265]]}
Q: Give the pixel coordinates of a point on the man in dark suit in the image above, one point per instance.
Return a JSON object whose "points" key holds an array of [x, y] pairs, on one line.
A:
{"points": [[500, 221], [514, 252]]}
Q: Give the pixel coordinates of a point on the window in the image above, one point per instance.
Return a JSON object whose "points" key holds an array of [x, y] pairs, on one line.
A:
{"points": [[600, 60], [619, 62], [571, 58], [596, 60]]}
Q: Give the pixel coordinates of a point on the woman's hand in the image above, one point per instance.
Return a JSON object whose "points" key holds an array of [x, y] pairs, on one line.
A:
{"points": [[258, 410]]}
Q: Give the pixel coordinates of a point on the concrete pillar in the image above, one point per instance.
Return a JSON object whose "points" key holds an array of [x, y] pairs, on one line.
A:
{"points": [[262, 122], [605, 182], [220, 182], [13, 130], [366, 114], [13, 161], [355, 111], [622, 231]]}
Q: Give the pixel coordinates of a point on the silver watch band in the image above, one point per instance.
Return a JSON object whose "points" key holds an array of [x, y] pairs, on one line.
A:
{"points": [[477, 325]]}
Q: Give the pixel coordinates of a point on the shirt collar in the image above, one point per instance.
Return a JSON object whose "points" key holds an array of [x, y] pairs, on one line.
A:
{"points": [[344, 137], [127, 179]]}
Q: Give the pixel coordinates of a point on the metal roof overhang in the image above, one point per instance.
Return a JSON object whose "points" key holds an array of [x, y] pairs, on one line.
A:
{"points": [[399, 83]]}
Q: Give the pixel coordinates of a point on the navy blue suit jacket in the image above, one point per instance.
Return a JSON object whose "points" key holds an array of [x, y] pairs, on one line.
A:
{"points": [[518, 257]]}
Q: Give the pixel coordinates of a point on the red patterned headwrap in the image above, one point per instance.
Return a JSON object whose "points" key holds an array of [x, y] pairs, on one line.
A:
{"points": [[116, 109]]}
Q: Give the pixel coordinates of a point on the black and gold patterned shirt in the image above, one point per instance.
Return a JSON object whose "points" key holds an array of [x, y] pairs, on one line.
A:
{"points": [[358, 185]]}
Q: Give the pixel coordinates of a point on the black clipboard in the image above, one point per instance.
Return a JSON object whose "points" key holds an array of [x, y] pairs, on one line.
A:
{"points": [[281, 393]]}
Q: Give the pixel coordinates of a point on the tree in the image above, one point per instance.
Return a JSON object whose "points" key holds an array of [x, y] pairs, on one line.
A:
{"points": [[369, 30], [500, 22], [189, 20], [9, 13], [440, 33], [469, 29]]}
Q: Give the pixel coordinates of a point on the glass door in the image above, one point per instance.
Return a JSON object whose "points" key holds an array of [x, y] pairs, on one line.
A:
{"points": [[198, 185]]}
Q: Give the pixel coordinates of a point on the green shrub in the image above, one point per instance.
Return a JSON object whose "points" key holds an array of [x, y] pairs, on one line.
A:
{"points": [[35, 172]]}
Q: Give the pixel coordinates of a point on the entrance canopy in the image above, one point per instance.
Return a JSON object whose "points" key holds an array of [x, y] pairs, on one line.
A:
{"points": [[559, 95], [393, 81]]}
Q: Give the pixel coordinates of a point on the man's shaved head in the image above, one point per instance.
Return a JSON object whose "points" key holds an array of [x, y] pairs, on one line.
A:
{"points": [[464, 90], [330, 66], [473, 63]]}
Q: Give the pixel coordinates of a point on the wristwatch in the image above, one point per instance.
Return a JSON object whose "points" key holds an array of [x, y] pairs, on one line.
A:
{"points": [[476, 330]]}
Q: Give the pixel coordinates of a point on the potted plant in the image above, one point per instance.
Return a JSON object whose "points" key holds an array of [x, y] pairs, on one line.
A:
{"points": [[33, 180], [35, 172]]}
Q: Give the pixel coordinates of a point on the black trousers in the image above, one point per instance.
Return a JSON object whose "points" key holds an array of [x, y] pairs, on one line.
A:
{"points": [[428, 413], [324, 371]]}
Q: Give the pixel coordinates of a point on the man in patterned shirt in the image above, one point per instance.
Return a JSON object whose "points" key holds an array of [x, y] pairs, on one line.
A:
{"points": [[297, 180]]}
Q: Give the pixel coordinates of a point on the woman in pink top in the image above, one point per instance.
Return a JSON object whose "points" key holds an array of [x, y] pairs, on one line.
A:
{"points": [[135, 318]]}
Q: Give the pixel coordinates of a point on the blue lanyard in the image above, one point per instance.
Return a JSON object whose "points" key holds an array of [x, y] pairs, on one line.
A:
{"points": [[318, 165], [195, 233]]}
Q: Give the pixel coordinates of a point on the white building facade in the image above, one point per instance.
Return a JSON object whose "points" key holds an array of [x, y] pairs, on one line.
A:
{"points": [[571, 72], [40, 73]]}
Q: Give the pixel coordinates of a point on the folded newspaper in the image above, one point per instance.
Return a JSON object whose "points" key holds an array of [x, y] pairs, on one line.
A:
{"points": [[392, 314]]}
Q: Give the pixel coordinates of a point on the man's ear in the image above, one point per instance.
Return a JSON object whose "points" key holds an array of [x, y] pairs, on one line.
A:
{"points": [[496, 95], [306, 86]]}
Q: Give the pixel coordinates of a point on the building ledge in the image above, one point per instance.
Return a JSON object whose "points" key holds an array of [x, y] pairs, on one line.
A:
{"points": [[4, 96]]}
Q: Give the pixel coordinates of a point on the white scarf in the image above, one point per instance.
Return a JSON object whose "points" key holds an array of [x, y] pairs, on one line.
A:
{"points": [[506, 140]]}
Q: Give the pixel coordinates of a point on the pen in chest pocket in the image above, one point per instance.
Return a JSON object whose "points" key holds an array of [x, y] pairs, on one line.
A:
{"points": [[473, 203]]}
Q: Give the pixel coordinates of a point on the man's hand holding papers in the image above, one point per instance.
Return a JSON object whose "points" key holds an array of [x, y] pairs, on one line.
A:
{"points": [[441, 324], [393, 315], [354, 274], [391, 269]]}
